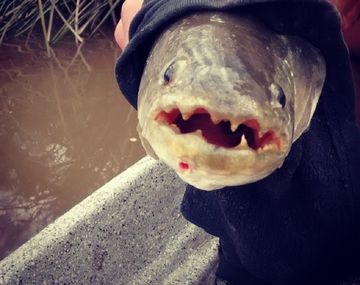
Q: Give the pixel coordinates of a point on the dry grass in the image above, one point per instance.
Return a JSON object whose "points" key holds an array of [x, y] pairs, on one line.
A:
{"points": [[78, 17]]}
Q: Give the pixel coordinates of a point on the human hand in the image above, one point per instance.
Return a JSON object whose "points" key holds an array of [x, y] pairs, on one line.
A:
{"points": [[350, 14], [128, 11]]}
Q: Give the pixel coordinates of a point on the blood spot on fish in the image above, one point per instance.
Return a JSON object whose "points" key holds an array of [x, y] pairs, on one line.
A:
{"points": [[184, 166]]}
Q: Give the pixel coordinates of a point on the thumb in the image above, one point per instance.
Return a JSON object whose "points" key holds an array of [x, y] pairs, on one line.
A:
{"points": [[128, 11]]}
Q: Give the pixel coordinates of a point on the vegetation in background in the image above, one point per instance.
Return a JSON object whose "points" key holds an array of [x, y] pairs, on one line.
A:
{"points": [[56, 17]]}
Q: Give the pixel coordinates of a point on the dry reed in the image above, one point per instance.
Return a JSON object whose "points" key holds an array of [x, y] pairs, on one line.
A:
{"points": [[78, 17]]}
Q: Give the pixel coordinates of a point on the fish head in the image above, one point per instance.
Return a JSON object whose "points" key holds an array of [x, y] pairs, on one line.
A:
{"points": [[216, 101]]}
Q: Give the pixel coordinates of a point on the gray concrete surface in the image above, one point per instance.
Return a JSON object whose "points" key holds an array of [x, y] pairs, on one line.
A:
{"points": [[130, 231]]}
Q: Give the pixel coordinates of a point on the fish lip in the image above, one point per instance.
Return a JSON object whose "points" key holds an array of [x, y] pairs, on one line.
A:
{"points": [[266, 140]]}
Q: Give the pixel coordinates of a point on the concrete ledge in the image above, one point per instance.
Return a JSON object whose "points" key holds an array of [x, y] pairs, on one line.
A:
{"points": [[130, 231]]}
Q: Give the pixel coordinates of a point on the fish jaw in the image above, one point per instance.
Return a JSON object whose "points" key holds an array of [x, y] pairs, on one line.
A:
{"points": [[208, 163]]}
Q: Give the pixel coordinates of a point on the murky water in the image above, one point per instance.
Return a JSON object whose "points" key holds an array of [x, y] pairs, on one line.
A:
{"points": [[65, 130]]}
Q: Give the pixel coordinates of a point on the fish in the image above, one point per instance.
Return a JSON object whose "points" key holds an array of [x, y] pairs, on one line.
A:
{"points": [[222, 98]]}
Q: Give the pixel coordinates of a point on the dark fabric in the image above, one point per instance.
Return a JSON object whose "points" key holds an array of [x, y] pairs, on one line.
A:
{"points": [[300, 225]]}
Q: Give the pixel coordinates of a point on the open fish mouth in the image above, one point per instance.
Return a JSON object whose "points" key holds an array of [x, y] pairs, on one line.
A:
{"points": [[222, 132]]}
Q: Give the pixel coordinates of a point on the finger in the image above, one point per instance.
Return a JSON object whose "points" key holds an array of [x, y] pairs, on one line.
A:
{"points": [[349, 10], [350, 22], [128, 12], [351, 15], [348, 5], [352, 38], [119, 35], [343, 5]]}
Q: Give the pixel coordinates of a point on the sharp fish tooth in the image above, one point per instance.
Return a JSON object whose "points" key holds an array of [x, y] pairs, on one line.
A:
{"points": [[267, 147], [198, 133], [234, 126], [169, 108], [243, 142], [186, 111], [215, 119], [175, 128], [186, 116]]}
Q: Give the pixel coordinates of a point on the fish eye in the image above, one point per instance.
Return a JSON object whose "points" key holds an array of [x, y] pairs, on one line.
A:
{"points": [[169, 73]]}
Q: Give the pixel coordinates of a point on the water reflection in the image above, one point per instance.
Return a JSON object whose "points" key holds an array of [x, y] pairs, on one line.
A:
{"points": [[64, 131]]}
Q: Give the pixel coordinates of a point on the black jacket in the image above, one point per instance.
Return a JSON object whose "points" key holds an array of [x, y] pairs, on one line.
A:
{"points": [[300, 225]]}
